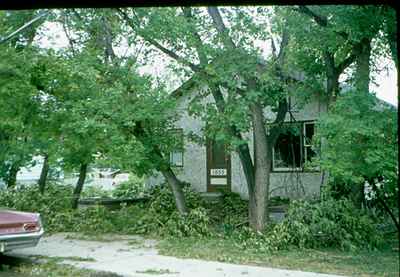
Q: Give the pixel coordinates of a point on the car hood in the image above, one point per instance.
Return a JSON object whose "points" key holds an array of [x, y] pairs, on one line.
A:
{"points": [[8, 217]]}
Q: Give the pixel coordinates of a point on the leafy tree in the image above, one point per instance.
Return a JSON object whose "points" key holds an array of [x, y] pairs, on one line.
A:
{"points": [[207, 50], [18, 110], [70, 85], [138, 129], [362, 146], [340, 41], [19, 97], [330, 39]]}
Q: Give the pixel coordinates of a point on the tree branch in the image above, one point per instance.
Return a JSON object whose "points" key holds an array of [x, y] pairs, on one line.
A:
{"points": [[220, 26], [23, 27], [187, 12], [70, 40], [319, 19], [153, 42], [275, 130], [349, 60], [284, 43]]}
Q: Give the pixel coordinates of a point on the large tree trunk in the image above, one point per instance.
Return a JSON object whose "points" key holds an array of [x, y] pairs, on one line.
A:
{"points": [[176, 187], [361, 82], [12, 175], [79, 185], [258, 196], [243, 149], [362, 73], [332, 78], [43, 174]]}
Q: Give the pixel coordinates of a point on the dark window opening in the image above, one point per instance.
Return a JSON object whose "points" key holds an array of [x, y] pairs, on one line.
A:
{"points": [[293, 147], [287, 151]]}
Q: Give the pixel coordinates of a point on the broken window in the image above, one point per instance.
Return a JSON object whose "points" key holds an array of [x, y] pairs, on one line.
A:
{"points": [[293, 147], [287, 150]]}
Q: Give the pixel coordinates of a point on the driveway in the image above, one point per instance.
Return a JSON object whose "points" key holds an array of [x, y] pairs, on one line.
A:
{"points": [[133, 256]]}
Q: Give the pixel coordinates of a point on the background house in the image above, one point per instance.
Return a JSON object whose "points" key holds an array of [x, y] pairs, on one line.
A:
{"points": [[104, 178]]}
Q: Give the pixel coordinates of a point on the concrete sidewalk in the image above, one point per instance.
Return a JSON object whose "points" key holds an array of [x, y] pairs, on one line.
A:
{"points": [[132, 256]]}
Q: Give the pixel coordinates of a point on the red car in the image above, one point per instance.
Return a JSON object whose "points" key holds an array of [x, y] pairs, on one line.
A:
{"points": [[19, 230]]}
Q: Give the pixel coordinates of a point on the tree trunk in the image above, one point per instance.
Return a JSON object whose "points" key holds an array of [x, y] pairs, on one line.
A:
{"points": [[361, 82], [258, 196], [332, 76], [79, 185], [12, 175], [43, 174], [243, 149], [176, 187], [362, 78]]}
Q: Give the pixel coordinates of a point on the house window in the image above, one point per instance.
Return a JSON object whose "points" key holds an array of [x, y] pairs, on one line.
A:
{"points": [[176, 155], [308, 132], [293, 147]]}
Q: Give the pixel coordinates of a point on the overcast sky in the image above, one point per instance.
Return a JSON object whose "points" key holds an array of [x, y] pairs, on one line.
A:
{"points": [[385, 88]]}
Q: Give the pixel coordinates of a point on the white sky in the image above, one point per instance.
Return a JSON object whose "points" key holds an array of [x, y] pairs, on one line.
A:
{"points": [[386, 88]]}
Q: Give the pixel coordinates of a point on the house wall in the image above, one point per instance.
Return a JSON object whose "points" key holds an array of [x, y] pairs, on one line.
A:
{"points": [[285, 184]]}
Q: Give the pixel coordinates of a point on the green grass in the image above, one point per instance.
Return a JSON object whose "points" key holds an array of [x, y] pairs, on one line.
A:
{"points": [[361, 263], [60, 259], [156, 271], [47, 267]]}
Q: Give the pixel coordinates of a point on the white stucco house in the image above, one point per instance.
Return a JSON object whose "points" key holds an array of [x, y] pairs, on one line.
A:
{"points": [[209, 168]]}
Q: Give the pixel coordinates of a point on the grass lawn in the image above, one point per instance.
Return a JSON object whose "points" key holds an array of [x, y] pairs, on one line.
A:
{"points": [[362, 263]]}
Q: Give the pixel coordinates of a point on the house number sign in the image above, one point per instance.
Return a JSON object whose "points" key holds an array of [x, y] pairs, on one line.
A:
{"points": [[218, 172]]}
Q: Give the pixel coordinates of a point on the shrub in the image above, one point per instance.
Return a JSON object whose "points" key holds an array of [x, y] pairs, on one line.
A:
{"points": [[93, 191], [158, 215], [28, 198], [162, 201], [132, 188], [229, 212], [196, 223], [329, 223]]}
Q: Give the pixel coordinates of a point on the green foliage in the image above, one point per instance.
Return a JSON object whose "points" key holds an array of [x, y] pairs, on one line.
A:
{"points": [[228, 213], [162, 201], [157, 216], [94, 191], [329, 223], [28, 198], [196, 223], [326, 224], [162, 209], [132, 188], [361, 144]]}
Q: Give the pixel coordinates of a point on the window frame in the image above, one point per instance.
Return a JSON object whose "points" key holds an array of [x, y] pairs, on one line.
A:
{"points": [[181, 151], [303, 154], [287, 169], [304, 144]]}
